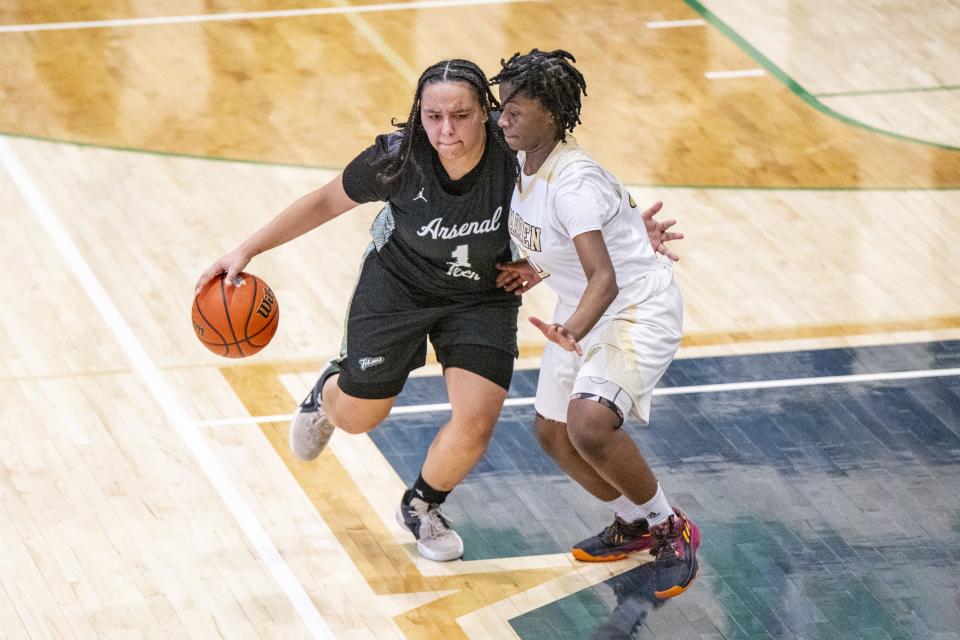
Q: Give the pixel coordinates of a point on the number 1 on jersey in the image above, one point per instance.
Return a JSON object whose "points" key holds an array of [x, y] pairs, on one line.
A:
{"points": [[461, 255]]}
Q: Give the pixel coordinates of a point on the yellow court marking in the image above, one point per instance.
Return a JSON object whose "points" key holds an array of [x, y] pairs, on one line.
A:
{"points": [[787, 334], [773, 334], [533, 350], [386, 565]]}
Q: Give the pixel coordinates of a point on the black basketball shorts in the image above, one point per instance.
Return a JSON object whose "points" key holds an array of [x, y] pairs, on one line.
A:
{"points": [[389, 322]]}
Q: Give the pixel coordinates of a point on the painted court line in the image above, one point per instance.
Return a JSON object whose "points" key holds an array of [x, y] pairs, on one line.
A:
{"points": [[674, 24], [251, 15], [413, 408], [807, 382], [380, 45], [740, 73], [162, 393], [663, 391]]}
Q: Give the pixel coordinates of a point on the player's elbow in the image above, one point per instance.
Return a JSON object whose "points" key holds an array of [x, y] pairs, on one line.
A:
{"points": [[602, 284], [607, 286]]}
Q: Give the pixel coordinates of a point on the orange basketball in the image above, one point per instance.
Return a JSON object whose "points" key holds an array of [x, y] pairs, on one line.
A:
{"points": [[236, 321]]}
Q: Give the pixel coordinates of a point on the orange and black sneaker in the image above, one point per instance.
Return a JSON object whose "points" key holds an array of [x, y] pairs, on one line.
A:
{"points": [[674, 549], [615, 542]]}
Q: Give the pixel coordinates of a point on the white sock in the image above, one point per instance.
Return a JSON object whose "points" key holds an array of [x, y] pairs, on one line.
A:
{"points": [[626, 510], [621, 506], [657, 510]]}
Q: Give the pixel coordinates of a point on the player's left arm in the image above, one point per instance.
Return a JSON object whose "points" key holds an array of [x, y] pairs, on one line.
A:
{"points": [[600, 292], [601, 287]]}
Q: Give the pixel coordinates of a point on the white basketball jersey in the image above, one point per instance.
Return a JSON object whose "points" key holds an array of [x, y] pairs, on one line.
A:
{"points": [[572, 194]]}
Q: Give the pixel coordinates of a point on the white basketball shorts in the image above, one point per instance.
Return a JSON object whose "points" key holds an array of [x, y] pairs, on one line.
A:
{"points": [[631, 349]]}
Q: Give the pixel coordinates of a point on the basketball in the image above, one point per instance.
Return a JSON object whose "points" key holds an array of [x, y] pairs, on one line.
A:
{"points": [[235, 321]]}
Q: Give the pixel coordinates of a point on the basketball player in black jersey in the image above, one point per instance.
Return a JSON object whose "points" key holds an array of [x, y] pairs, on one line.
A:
{"points": [[446, 177]]}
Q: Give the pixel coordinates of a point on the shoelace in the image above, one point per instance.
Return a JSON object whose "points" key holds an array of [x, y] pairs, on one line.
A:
{"points": [[436, 524], [319, 425], [620, 531], [664, 547]]}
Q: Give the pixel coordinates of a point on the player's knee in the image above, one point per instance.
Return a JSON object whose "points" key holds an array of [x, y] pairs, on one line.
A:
{"points": [[588, 439], [474, 429], [353, 421]]}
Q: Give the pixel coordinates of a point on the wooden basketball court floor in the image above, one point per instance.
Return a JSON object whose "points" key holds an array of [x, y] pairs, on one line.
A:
{"points": [[811, 424]]}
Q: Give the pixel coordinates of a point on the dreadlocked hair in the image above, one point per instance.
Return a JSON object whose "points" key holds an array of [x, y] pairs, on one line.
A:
{"points": [[547, 76], [412, 135]]}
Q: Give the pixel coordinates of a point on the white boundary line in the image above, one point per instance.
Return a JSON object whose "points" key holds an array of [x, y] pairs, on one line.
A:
{"points": [[663, 391], [808, 382], [674, 24], [740, 73], [250, 15], [162, 393]]}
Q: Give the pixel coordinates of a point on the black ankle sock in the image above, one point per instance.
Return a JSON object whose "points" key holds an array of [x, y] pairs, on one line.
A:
{"points": [[333, 368], [425, 492]]}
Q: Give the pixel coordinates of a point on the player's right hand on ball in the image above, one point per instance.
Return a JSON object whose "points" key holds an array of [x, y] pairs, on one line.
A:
{"points": [[230, 265]]}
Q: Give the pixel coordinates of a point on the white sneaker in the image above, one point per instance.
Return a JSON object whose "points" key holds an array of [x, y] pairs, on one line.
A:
{"points": [[310, 430], [435, 539]]}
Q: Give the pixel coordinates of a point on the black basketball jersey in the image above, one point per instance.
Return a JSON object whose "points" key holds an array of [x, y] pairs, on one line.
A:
{"points": [[441, 237]]}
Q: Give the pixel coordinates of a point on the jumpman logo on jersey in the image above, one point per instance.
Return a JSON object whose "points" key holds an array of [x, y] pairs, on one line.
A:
{"points": [[420, 196]]}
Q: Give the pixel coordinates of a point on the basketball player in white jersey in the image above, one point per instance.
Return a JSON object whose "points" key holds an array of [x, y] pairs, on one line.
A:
{"points": [[618, 320]]}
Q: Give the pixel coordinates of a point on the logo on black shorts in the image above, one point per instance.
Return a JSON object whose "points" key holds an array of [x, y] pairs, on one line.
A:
{"points": [[367, 362]]}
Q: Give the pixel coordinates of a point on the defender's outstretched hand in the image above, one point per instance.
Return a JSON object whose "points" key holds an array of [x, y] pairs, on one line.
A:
{"points": [[658, 231], [558, 333]]}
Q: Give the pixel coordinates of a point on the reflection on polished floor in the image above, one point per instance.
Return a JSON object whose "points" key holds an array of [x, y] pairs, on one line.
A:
{"points": [[811, 425]]}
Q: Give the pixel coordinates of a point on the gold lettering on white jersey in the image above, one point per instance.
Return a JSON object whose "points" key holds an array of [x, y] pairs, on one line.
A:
{"points": [[526, 235]]}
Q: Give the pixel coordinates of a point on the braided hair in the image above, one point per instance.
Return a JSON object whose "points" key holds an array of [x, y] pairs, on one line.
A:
{"points": [[547, 76], [412, 134]]}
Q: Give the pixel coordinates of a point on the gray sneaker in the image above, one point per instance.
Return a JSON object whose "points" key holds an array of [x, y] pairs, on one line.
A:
{"points": [[310, 430], [435, 539]]}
